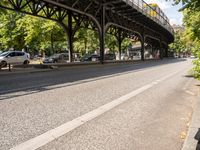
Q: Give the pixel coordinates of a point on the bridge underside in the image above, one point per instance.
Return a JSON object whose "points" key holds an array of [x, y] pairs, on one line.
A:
{"points": [[117, 17]]}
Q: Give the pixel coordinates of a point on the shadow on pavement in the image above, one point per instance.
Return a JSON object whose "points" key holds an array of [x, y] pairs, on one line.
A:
{"points": [[197, 137], [25, 84]]}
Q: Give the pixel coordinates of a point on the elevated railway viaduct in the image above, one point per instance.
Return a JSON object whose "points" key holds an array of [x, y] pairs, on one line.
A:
{"points": [[121, 18]]}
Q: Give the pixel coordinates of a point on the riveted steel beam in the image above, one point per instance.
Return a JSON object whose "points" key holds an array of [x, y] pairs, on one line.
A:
{"points": [[124, 14]]}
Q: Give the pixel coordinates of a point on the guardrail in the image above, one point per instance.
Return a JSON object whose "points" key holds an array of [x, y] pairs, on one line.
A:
{"points": [[147, 10]]}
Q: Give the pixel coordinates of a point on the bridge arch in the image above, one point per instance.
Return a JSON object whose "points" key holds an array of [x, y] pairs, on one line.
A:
{"points": [[133, 17]]}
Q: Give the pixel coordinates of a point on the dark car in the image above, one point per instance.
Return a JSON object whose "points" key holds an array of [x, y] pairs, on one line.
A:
{"points": [[93, 57], [57, 58], [110, 56]]}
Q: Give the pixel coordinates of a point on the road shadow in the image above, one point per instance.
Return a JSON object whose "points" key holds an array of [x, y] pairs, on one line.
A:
{"points": [[189, 76], [197, 137], [24, 84]]}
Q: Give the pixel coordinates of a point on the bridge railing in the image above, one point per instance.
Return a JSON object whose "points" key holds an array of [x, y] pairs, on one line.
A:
{"points": [[158, 17]]}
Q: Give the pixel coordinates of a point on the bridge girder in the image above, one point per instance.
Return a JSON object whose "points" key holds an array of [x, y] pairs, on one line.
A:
{"points": [[93, 14]]}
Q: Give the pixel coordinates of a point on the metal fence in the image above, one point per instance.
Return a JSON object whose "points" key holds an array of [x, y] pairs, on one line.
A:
{"points": [[146, 9]]}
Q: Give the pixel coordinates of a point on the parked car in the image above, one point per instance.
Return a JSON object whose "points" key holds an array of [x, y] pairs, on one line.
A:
{"points": [[57, 58], [124, 56], [192, 56], [93, 57], [110, 56], [76, 57], [14, 57]]}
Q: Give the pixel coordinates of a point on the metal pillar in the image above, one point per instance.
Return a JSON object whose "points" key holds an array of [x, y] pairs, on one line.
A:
{"points": [[166, 51], [119, 39], [102, 34], [142, 47], [161, 50], [154, 51], [70, 36]]}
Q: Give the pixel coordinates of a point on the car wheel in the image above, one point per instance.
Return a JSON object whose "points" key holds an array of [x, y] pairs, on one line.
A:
{"points": [[26, 62], [3, 64]]}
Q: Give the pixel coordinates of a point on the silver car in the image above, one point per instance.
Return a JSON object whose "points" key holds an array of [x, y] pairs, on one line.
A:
{"points": [[14, 57]]}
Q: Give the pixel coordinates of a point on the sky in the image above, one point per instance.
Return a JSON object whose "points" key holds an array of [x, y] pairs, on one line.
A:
{"points": [[171, 11]]}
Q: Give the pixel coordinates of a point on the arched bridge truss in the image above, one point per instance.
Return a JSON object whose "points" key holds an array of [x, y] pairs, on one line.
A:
{"points": [[121, 18]]}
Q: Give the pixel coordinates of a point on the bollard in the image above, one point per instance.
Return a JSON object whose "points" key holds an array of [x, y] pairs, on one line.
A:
{"points": [[9, 68], [197, 137]]}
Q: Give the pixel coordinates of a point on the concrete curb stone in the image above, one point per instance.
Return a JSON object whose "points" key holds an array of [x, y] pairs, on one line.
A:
{"points": [[190, 143]]}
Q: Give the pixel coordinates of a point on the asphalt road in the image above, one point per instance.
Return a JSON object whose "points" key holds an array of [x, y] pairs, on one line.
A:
{"points": [[155, 118]]}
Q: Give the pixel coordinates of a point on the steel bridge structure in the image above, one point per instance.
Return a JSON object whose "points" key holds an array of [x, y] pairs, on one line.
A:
{"points": [[121, 18]]}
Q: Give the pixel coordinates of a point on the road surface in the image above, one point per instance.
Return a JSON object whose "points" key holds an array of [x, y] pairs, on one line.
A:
{"points": [[125, 106]]}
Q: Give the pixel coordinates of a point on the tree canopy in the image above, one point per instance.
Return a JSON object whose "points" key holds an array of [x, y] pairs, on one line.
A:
{"points": [[193, 5], [20, 31], [191, 36]]}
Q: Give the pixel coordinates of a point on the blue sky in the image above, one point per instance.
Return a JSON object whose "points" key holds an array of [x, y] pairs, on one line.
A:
{"points": [[171, 11]]}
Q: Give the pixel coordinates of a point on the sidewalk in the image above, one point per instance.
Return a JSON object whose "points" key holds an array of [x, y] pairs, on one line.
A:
{"points": [[190, 143]]}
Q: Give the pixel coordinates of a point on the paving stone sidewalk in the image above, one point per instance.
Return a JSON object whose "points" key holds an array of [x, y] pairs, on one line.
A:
{"points": [[191, 142]]}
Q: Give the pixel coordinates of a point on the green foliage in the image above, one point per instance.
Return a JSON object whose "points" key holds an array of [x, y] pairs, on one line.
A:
{"points": [[86, 41], [192, 23], [126, 44], [196, 69], [8, 36], [182, 43], [190, 38], [38, 35], [193, 5], [23, 31]]}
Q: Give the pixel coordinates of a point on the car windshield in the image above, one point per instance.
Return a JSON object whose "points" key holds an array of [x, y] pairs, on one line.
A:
{"points": [[55, 56], [4, 54]]}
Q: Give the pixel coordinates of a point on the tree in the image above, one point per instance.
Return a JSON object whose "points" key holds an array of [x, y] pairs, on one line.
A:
{"points": [[34, 34], [183, 43], [41, 33], [86, 41], [193, 5], [9, 38], [192, 24]]}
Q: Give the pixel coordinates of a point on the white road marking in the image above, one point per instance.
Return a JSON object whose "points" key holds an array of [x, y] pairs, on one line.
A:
{"points": [[55, 133]]}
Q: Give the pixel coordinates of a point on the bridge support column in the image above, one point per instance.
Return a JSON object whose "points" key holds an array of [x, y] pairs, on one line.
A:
{"points": [[70, 36], [119, 40], [142, 47], [166, 51], [70, 29], [161, 50], [102, 34]]}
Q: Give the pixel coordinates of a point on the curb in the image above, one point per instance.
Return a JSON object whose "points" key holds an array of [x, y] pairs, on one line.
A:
{"points": [[24, 71], [51, 67], [190, 143]]}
